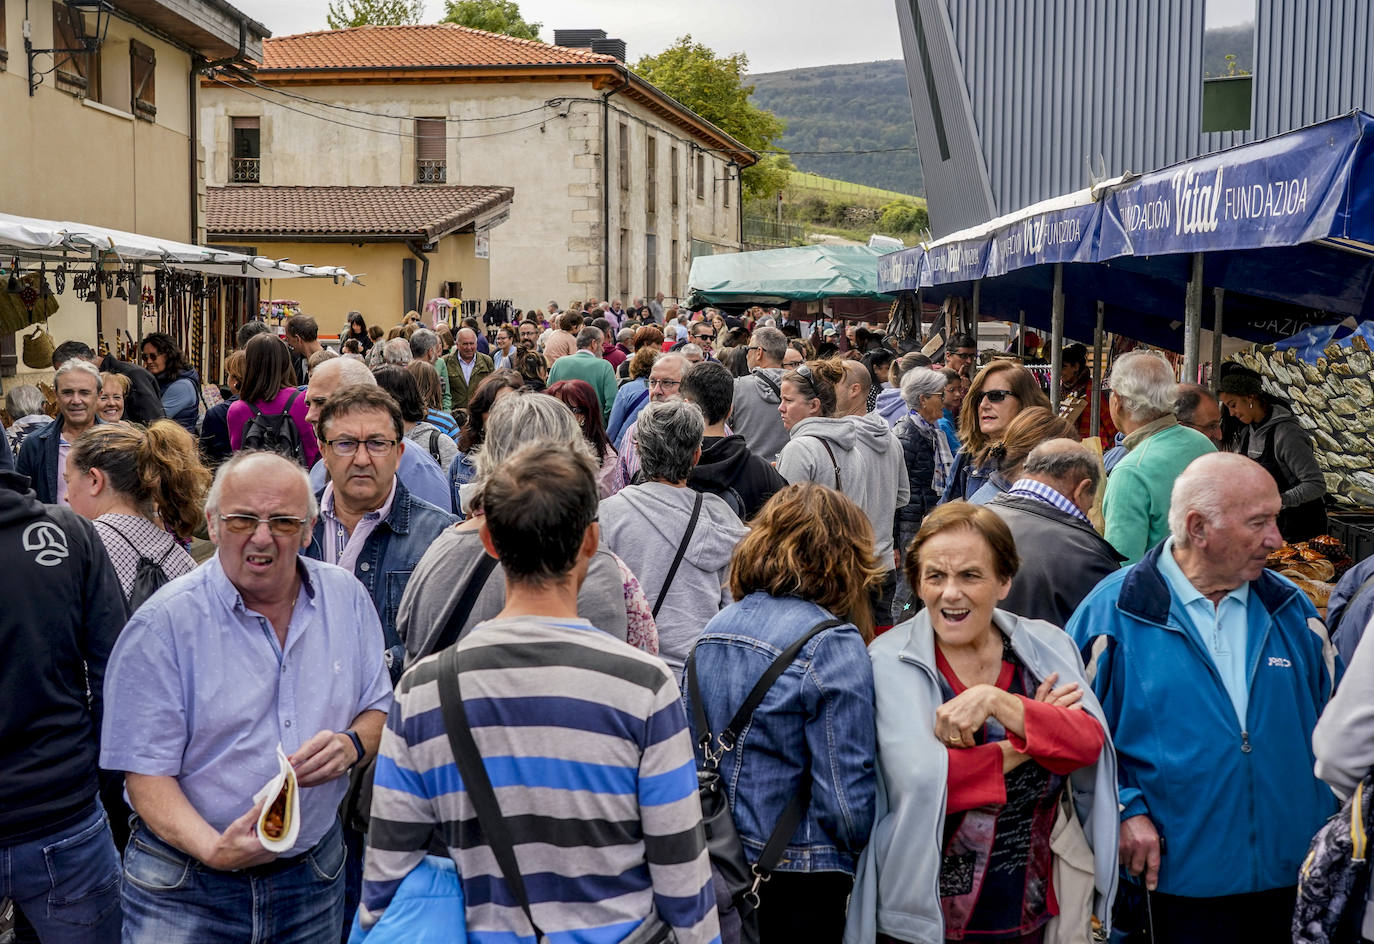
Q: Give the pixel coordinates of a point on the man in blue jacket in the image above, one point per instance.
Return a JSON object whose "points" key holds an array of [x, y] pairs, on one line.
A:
{"points": [[1212, 672]]}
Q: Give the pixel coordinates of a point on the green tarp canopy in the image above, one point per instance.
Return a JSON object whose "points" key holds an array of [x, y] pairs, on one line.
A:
{"points": [[779, 276]]}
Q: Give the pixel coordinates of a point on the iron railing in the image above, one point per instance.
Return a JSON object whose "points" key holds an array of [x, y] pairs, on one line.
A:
{"points": [[431, 172], [245, 170]]}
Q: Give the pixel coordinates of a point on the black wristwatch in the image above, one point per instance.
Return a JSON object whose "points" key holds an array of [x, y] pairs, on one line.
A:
{"points": [[358, 744]]}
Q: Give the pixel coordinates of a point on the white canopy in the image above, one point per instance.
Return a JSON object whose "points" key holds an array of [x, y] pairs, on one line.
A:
{"points": [[31, 238]]}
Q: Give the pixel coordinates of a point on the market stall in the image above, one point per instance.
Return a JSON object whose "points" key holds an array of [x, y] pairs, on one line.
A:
{"points": [[842, 279]]}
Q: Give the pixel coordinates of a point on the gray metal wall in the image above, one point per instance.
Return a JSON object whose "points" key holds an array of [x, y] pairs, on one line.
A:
{"points": [[1028, 91]]}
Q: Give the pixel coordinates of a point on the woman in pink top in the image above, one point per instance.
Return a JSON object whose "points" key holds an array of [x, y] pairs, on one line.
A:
{"points": [[268, 384]]}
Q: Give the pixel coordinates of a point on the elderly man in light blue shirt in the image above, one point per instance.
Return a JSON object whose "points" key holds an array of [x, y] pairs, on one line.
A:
{"points": [[257, 648]]}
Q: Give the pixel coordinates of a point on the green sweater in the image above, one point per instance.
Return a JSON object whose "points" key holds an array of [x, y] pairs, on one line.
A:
{"points": [[596, 371], [1135, 508]]}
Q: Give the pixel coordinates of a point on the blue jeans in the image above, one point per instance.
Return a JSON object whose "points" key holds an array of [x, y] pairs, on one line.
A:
{"points": [[66, 884], [171, 898]]}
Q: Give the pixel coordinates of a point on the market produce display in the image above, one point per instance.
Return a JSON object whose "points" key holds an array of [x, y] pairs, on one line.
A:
{"points": [[1334, 400]]}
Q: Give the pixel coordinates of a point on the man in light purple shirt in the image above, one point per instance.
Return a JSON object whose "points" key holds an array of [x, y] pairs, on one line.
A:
{"points": [[257, 648]]}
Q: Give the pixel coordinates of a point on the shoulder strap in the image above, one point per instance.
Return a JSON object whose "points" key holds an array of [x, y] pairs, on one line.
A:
{"points": [[775, 386], [792, 813], [829, 452], [463, 609], [677, 558], [286, 410], [434, 445], [477, 784]]}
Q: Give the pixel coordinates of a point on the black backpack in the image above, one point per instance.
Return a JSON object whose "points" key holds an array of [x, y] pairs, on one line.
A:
{"points": [[1333, 882], [150, 576], [277, 433]]}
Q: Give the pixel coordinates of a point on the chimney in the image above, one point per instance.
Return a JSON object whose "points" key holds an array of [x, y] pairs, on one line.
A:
{"points": [[590, 40]]}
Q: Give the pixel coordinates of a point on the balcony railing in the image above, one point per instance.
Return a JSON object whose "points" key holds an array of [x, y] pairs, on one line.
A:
{"points": [[245, 170], [431, 172]]}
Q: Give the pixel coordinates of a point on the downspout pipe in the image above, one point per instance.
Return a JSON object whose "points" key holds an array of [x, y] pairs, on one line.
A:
{"points": [[419, 253], [606, 184]]}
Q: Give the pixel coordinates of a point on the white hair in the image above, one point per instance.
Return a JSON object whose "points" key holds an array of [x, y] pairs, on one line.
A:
{"points": [[397, 352], [77, 364], [350, 368], [212, 500], [921, 381], [1145, 383], [1204, 487]]}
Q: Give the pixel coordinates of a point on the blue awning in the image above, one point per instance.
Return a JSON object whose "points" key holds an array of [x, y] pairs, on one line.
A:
{"points": [[1286, 225]]}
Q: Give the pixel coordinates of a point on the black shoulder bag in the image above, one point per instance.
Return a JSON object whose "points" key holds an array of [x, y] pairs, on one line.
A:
{"points": [[495, 829], [357, 804], [677, 558], [722, 840]]}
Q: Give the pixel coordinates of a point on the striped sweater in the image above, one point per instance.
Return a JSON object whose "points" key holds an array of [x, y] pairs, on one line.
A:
{"points": [[587, 748]]}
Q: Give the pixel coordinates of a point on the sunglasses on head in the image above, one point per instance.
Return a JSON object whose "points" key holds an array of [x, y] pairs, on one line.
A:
{"points": [[994, 396]]}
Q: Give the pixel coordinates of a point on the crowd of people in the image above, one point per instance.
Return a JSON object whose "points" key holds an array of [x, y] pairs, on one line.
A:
{"points": [[638, 624]]}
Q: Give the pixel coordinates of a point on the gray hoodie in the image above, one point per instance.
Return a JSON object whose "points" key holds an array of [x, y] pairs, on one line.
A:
{"points": [[872, 470], [1292, 450], [644, 524], [755, 415]]}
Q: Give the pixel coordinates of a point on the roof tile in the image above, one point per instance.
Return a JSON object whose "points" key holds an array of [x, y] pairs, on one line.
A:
{"points": [[419, 46], [422, 212]]}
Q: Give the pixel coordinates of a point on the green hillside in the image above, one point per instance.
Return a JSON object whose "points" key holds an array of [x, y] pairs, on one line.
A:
{"points": [[803, 181], [861, 106]]}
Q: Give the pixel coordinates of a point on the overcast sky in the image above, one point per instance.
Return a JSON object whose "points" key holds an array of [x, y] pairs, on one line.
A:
{"points": [[775, 34]]}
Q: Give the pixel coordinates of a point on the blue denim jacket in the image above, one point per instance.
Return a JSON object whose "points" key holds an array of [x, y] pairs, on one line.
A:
{"points": [[388, 558], [821, 707]]}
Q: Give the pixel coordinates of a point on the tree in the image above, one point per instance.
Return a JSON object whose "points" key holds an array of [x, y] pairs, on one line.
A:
{"points": [[494, 16], [713, 87], [346, 13]]}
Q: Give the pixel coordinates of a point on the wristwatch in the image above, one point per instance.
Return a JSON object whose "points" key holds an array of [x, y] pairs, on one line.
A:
{"points": [[357, 744]]}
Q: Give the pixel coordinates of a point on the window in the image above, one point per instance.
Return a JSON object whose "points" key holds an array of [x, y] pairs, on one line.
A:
{"points": [[650, 265], [1228, 57], [624, 262], [701, 176], [672, 153], [650, 176], [624, 156], [431, 152], [672, 267], [143, 80], [244, 163], [4, 38], [76, 72]]}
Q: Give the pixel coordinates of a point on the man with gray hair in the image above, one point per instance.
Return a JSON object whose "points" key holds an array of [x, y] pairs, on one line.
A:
{"points": [[1135, 507], [1212, 672], [425, 346], [665, 383], [677, 541], [44, 456], [396, 353], [1197, 408], [258, 659], [588, 365], [1047, 511], [755, 415]]}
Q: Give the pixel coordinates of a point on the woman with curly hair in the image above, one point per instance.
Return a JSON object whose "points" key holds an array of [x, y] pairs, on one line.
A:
{"points": [[178, 381], [804, 571]]}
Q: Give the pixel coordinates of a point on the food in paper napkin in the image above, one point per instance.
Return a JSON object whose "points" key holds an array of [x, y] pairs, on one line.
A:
{"points": [[280, 819]]}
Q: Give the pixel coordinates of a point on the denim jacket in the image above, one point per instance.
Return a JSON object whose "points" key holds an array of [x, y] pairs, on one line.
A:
{"points": [[388, 558], [820, 709]]}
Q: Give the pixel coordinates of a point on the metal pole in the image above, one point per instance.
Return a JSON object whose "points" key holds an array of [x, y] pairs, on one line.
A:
{"points": [[1057, 335], [1192, 322], [971, 327], [1021, 334], [1095, 389], [1218, 303]]}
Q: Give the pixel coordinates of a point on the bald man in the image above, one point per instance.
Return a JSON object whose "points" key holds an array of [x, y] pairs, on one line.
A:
{"points": [[466, 369]]}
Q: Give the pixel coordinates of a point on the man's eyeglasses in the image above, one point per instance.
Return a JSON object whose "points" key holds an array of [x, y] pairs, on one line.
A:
{"points": [[280, 525], [665, 384], [703, 336], [349, 447], [995, 396]]}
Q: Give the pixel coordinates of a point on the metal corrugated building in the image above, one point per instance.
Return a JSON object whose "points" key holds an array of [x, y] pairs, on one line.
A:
{"points": [[1014, 99]]}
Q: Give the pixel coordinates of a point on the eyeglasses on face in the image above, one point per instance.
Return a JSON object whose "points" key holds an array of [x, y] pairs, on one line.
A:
{"points": [[705, 336], [280, 525], [349, 447], [995, 396], [149, 355], [665, 384]]}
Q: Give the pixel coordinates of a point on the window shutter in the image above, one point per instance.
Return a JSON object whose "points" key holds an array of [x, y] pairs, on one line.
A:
{"points": [[429, 139], [143, 74], [70, 69]]}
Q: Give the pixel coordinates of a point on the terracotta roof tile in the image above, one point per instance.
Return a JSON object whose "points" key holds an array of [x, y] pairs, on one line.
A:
{"points": [[431, 45], [420, 212]]}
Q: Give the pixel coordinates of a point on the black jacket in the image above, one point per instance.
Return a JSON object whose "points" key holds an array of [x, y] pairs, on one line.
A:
{"points": [[38, 460], [57, 628], [1062, 559], [727, 465], [143, 402], [919, 454]]}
